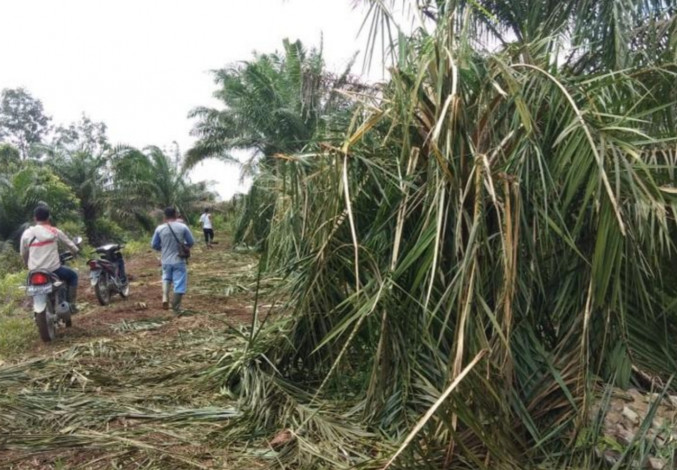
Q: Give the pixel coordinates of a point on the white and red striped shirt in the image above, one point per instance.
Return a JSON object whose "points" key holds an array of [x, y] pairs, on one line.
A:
{"points": [[39, 247]]}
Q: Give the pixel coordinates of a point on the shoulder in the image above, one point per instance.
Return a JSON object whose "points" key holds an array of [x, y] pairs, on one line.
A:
{"points": [[27, 233]]}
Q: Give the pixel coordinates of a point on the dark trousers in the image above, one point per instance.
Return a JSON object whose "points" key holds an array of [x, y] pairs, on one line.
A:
{"points": [[67, 275], [121, 270], [209, 235]]}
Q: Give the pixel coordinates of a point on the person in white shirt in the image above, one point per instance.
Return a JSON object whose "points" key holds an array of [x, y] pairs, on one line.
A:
{"points": [[206, 221]]}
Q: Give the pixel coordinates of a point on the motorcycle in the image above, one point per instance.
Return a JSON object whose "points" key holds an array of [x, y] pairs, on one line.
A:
{"points": [[50, 298], [107, 275]]}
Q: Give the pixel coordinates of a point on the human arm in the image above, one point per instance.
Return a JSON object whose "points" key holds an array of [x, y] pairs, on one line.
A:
{"points": [[155, 242], [188, 237], [68, 242]]}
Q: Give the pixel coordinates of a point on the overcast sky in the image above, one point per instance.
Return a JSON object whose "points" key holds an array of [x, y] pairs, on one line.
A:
{"points": [[141, 65]]}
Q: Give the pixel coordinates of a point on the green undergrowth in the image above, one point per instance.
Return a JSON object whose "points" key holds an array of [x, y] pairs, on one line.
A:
{"points": [[16, 335], [17, 331]]}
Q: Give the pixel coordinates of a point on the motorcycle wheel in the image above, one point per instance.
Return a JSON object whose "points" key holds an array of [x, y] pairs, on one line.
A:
{"points": [[102, 289], [46, 323]]}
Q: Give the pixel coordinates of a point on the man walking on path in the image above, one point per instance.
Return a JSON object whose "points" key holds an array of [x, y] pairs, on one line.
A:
{"points": [[206, 221], [167, 239]]}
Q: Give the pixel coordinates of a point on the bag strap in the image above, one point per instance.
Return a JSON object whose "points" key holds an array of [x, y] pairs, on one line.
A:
{"points": [[169, 225]]}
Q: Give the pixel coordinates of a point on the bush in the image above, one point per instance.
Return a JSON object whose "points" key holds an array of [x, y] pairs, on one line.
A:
{"points": [[104, 231], [134, 247], [10, 260], [11, 293], [16, 335], [72, 228]]}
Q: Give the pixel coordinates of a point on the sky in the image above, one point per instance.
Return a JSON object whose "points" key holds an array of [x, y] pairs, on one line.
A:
{"points": [[141, 65]]}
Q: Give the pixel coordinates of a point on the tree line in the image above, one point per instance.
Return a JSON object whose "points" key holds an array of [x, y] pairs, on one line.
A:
{"points": [[106, 192]]}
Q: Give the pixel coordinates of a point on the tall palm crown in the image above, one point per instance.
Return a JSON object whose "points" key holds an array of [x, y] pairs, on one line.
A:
{"points": [[272, 105]]}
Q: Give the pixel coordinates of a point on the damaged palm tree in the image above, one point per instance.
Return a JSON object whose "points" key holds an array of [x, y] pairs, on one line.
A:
{"points": [[490, 241]]}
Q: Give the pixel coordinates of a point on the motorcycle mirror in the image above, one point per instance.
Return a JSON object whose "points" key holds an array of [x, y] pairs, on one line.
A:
{"points": [[77, 240]]}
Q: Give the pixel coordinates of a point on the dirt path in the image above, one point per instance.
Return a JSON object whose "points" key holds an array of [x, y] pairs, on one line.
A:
{"points": [[129, 386]]}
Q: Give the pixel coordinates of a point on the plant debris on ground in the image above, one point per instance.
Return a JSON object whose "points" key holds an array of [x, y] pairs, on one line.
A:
{"points": [[129, 387]]}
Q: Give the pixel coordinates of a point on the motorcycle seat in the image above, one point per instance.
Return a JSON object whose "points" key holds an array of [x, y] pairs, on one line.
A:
{"points": [[109, 248]]}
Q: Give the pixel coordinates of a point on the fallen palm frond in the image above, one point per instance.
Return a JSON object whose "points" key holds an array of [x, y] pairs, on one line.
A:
{"points": [[124, 401], [503, 199], [139, 325]]}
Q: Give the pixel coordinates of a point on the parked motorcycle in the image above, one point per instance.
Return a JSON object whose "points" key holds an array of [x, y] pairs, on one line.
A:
{"points": [[50, 298], [107, 273]]}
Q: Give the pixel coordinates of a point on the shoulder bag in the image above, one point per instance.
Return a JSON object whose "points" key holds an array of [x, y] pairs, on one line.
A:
{"points": [[184, 250]]}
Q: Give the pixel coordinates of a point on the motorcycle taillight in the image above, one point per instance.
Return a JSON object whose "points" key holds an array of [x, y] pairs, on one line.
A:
{"points": [[39, 279], [93, 264]]}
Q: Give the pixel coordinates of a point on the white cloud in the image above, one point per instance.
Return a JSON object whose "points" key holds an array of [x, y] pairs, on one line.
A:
{"points": [[141, 65]]}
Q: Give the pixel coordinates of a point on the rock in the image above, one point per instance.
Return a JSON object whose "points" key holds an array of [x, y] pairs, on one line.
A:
{"points": [[624, 436], [630, 415], [655, 463], [610, 456], [658, 423]]}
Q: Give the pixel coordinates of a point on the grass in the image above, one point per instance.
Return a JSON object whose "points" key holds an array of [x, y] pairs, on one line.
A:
{"points": [[16, 336], [135, 248], [17, 331]]}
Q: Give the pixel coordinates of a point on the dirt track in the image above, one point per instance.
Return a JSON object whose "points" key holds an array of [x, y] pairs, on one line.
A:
{"points": [[129, 385]]}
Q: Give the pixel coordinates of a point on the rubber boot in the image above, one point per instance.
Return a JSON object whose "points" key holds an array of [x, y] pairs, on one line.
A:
{"points": [[73, 298], [165, 295], [176, 303]]}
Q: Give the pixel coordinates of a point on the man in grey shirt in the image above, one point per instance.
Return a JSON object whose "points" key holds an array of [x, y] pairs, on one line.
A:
{"points": [[173, 268]]}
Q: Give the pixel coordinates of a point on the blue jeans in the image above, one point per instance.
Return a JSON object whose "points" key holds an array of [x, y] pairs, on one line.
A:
{"points": [[67, 275], [176, 274]]}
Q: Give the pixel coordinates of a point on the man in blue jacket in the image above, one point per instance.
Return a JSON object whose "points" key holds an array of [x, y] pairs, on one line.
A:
{"points": [[166, 239]]}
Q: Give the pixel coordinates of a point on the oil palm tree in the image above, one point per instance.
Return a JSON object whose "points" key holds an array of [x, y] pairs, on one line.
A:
{"points": [[271, 105], [149, 180], [274, 105], [87, 174], [21, 191]]}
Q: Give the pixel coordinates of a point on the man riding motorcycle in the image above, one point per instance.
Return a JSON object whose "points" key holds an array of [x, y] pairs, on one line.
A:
{"points": [[39, 250]]}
